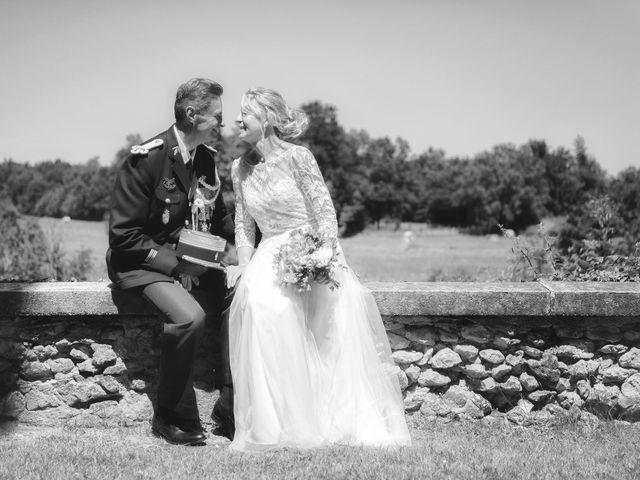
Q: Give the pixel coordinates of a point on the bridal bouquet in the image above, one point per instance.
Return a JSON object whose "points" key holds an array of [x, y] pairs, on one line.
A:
{"points": [[307, 256]]}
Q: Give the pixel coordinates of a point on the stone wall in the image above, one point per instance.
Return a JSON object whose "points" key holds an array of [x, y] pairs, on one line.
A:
{"points": [[83, 371], [473, 367], [82, 354]]}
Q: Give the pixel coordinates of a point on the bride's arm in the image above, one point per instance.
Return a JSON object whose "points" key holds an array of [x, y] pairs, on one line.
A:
{"points": [[315, 191], [245, 225], [245, 230]]}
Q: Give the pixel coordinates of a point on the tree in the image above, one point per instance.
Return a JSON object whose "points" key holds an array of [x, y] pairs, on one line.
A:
{"points": [[591, 176], [385, 163], [335, 152]]}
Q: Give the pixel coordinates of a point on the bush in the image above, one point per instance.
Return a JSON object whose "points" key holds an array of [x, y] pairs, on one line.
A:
{"points": [[533, 255], [604, 251], [594, 246], [26, 255]]}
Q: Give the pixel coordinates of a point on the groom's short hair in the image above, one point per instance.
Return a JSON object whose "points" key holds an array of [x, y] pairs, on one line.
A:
{"points": [[197, 93]]}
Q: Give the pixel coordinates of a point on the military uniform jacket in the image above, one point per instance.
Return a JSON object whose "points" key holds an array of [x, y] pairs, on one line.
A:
{"points": [[150, 203]]}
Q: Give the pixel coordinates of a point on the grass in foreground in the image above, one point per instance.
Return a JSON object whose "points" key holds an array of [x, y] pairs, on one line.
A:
{"points": [[467, 450]]}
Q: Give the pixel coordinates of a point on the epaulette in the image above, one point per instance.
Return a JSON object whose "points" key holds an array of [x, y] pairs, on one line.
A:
{"points": [[145, 148]]}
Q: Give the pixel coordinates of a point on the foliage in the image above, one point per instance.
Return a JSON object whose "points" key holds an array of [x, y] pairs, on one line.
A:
{"points": [[624, 191], [372, 180], [377, 180], [58, 189], [598, 248], [533, 257], [26, 254], [508, 185], [605, 252]]}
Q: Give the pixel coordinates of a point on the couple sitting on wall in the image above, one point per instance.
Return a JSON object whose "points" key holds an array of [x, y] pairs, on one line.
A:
{"points": [[310, 367]]}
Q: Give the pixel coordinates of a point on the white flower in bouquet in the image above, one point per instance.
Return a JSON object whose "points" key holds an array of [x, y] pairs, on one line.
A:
{"points": [[323, 255], [290, 278]]}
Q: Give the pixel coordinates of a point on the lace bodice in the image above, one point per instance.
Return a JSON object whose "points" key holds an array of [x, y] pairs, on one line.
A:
{"points": [[286, 191]]}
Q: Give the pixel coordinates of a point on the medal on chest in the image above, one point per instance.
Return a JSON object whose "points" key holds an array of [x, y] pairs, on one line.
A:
{"points": [[165, 214], [169, 184]]}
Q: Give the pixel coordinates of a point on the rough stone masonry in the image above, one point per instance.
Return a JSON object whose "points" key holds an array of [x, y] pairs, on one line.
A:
{"points": [[77, 355], [466, 369]]}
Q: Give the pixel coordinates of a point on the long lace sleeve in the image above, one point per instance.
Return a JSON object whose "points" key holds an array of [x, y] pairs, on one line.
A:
{"points": [[245, 224], [315, 191]]}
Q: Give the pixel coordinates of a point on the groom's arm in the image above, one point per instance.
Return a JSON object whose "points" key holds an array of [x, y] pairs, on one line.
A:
{"points": [[131, 208]]}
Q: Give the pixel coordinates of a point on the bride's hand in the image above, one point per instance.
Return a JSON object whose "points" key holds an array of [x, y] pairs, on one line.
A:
{"points": [[233, 274]]}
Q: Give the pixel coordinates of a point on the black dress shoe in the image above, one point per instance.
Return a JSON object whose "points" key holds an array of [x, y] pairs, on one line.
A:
{"points": [[224, 424], [175, 435], [190, 426]]}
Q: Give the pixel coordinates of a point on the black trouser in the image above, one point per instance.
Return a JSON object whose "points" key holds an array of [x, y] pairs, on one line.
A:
{"points": [[185, 315]]}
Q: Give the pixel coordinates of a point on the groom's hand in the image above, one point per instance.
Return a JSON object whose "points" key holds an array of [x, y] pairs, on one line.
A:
{"points": [[189, 281]]}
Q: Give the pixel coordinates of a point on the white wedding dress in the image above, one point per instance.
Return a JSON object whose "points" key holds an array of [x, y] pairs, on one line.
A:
{"points": [[311, 368]]}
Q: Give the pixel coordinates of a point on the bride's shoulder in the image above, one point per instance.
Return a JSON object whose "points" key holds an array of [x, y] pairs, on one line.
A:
{"points": [[299, 153]]}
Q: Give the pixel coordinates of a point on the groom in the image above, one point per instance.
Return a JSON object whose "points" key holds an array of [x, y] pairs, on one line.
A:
{"points": [[150, 205]]}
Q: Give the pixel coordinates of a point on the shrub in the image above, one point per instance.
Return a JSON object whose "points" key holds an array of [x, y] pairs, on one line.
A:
{"points": [[594, 246], [533, 255], [605, 252], [26, 255]]}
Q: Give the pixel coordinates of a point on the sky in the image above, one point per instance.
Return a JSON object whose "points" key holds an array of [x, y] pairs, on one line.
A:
{"points": [[78, 76]]}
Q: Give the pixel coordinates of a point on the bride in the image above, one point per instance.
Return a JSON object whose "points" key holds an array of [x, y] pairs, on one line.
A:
{"points": [[311, 368]]}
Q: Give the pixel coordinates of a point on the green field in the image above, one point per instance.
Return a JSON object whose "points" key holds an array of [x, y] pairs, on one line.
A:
{"points": [[435, 254], [75, 235]]}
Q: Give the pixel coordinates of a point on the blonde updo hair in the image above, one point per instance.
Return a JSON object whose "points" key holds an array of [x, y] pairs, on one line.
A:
{"points": [[266, 104]]}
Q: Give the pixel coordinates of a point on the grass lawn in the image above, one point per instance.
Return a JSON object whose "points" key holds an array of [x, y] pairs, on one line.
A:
{"points": [[436, 254], [76, 235], [457, 450]]}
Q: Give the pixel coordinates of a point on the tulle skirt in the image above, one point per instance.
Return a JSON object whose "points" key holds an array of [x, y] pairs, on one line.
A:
{"points": [[312, 368]]}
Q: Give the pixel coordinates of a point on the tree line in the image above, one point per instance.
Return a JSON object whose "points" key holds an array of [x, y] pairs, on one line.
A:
{"points": [[371, 179], [57, 188]]}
